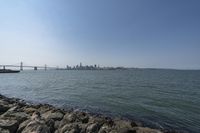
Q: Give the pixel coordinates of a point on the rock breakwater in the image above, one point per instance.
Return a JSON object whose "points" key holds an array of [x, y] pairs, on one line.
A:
{"points": [[17, 116]]}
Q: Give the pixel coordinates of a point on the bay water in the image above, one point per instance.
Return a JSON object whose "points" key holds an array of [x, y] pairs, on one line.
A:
{"points": [[160, 98]]}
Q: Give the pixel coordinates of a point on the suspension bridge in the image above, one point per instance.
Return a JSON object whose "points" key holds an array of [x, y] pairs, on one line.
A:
{"points": [[21, 66]]}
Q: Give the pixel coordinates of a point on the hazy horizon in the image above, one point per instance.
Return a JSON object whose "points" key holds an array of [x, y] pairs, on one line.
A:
{"points": [[139, 33]]}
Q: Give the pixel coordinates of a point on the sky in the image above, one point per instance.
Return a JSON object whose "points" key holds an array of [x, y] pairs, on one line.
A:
{"points": [[129, 33]]}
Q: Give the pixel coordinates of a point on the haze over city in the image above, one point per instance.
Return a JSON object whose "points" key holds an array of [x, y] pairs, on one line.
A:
{"points": [[130, 33]]}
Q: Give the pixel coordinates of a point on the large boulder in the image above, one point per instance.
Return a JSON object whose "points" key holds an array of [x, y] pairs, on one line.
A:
{"points": [[93, 128], [126, 130], [23, 125], [53, 115], [70, 128], [3, 107], [4, 130], [70, 117], [67, 119], [29, 110], [36, 125], [9, 124], [105, 128], [82, 117], [119, 124], [15, 114]]}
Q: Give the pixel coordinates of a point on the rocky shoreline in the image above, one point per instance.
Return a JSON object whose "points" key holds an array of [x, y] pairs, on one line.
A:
{"points": [[17, 116]]}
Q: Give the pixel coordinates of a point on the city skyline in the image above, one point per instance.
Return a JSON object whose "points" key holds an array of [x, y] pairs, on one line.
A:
{"points": [[140, 33]]}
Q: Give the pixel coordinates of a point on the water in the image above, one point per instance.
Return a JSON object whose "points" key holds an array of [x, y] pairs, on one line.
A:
{"points": [[160, 98]]}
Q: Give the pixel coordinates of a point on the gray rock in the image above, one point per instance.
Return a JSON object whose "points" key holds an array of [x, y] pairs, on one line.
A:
{"points": [[29, 110], [23, 125], [36, 116], [56, 131], [43, 109], [70, 128], [50, 123], [3, 108], [102, 131], [4, 130], [12, 109], [19, 116], [9, 124], [70, 117], [82, 117], [56, 124], [36, 127], [119, 124], [83, 128], [113, 131], [93, 128], [53, 115], [126, 130], [100, 120], [105, 129]]}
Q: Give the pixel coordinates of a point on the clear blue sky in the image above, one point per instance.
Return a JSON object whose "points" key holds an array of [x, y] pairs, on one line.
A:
{"points": [[132, 33]]}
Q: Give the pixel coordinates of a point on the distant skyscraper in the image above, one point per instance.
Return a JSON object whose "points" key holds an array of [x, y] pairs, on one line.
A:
{"points": [[80, 64]]}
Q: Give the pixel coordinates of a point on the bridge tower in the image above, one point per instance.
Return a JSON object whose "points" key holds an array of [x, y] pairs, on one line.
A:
{"points": [[35, 68], [21, 66], [45, 67]]}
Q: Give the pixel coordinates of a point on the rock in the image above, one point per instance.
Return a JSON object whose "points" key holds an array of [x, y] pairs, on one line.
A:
{"points": [[36, 127], [82, 117], [4, 103], [50, 123], [43, 109], [119, 124], [53, 115], [56, 124], [70, 118], [93, 128], [3, 108], [83, 128], [105, 129], [36, 116], [126, 130], [134, 124], [70, 128], [101, 120], [13, 109], [146, 130], [102, 131], [8, 124], [113, 131], [4, 130], [48, 119], [29, 110], [85, 119], [23, 125], [67, 119], [56, 131], [19, 116]]}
